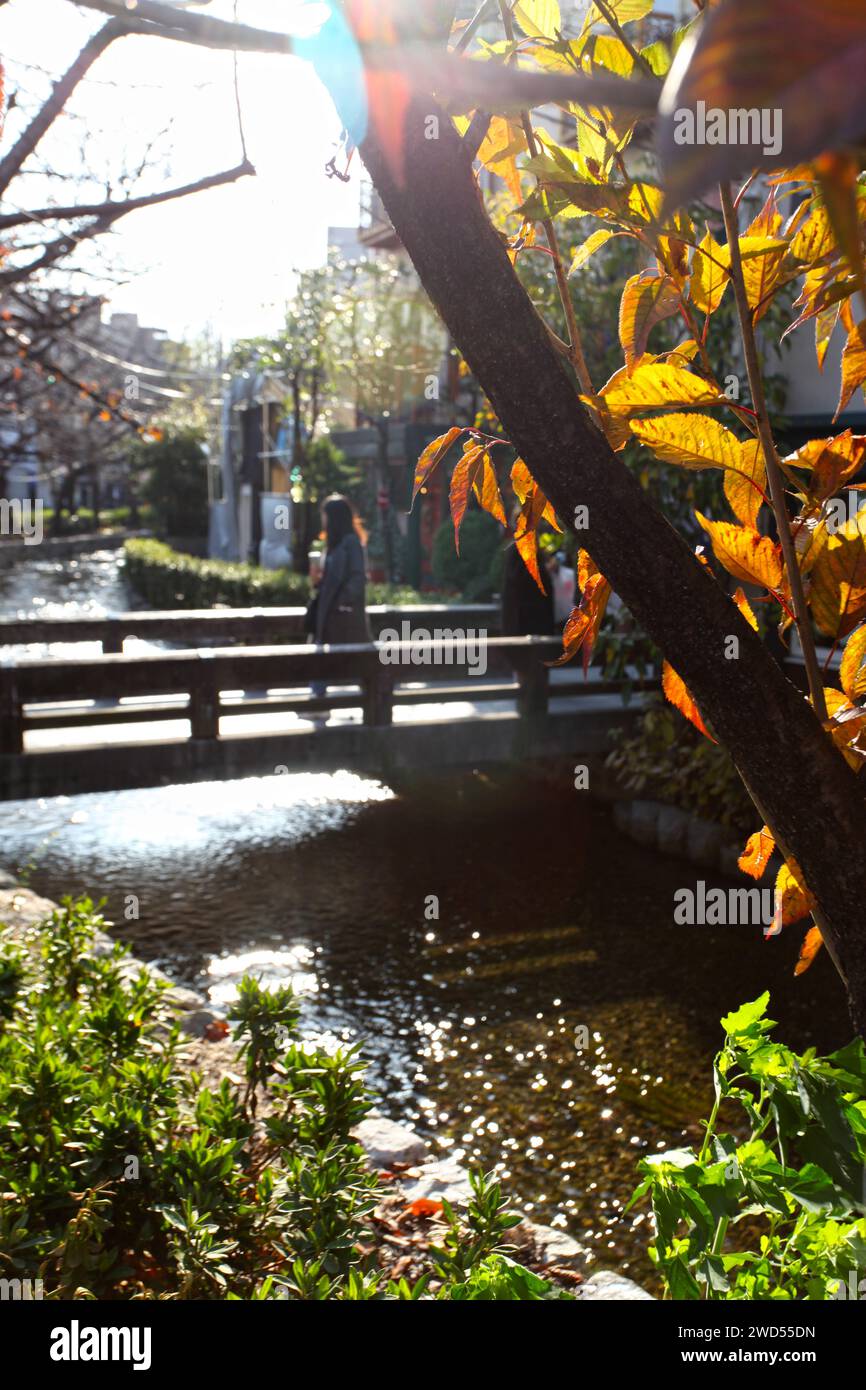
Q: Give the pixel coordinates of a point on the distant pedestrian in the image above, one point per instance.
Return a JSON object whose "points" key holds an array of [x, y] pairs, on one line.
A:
{"points": [[338, 614]]}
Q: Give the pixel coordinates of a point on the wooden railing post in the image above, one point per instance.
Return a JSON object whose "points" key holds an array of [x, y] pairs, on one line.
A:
{"points": [[11, 712], [533, 690], [378, 688], [204, 700]]}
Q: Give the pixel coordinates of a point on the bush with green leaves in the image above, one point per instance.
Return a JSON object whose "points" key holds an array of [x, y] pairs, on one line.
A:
{"points": [[124, 1177], [772, 1207], [662, 756], [167, 578], [472, 572]]}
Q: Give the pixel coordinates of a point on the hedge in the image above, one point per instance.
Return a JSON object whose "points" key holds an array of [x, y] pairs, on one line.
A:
{"points": [[166, 578]]}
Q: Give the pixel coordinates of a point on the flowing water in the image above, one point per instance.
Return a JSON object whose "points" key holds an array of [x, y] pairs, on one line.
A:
{"points": [[472, 930]]}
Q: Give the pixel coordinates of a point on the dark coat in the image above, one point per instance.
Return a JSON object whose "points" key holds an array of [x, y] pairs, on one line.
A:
{"points": [[341, 615]]}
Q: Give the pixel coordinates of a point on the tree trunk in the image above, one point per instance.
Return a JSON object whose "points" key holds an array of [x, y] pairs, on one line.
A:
{"points": [[811, 797]]}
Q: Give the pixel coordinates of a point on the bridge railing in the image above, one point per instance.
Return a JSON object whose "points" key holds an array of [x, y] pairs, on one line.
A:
{"points": [[259, 626], [202, 685]]}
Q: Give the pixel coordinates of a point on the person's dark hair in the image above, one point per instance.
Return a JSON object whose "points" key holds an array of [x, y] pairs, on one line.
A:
{"points": [[339, 519]]}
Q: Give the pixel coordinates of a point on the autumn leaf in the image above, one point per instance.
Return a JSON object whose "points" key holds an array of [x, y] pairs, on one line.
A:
{"points": [[424, 1206], [793, 898], [710, 274], [745, 608], [744, 553], [488, 493], [812, 943], [838, 589], [758, 852], [647, 299], [675, 690], [853, 364], [745, 487], [467, 472], [831, 462], [657, 385], [431, 457], [852, 671], [582, 627], [691, 441], [589, 247]]}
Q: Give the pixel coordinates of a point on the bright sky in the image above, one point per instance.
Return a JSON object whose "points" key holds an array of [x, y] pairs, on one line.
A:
{"points": [[225, 257]]}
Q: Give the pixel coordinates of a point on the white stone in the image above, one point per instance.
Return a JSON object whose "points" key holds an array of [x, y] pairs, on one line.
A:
{"points": [[442, 1179], [387, 1142], [611, 1287]]}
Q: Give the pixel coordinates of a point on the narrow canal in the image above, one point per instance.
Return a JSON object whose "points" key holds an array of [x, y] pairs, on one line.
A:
{"points": [[549, 922]]}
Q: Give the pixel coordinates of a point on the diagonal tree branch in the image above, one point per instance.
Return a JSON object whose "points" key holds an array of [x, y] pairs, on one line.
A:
{"points": [[61, 92], [115, 208], [778, 745], [107, 215]]}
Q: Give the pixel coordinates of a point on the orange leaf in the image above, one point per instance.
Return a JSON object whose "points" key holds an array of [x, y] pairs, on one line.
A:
{"points": [[463, 479], [756, 856], [488, 494], [432, 455], [812, 943], [676, 691], [423, 1206]]}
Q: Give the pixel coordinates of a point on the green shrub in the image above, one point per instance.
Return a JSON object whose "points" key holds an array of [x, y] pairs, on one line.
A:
{"points": [[775, 1210], [83, 521], [174, 481], [123, 1177], [474, 572], [166, 578]]}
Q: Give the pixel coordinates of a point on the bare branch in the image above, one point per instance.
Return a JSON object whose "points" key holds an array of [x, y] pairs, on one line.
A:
{"points": [[188, 27], [119, 207], [63, 89]]}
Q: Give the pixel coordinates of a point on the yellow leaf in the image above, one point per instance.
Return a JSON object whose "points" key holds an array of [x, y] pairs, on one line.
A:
{"points": [[745, 608], [432, 455], [538, 18], [758, 852], [590, 246], [825, 323], [691, 441], [676, 691], [646, 300], [746, 486], [744, 553], [852, 672], [710, 274], [624, 11], [838, 590], [497, 152], [656, 385], [853, 364]]}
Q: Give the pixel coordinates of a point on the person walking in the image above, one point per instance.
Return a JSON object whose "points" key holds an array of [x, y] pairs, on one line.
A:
{"points": [[339, 614]]}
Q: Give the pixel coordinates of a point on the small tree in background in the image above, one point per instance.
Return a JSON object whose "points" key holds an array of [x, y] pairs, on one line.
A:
{"points": [[174, 476]]}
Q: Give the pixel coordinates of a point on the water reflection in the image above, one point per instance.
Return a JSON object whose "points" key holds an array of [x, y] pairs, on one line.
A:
{"points": [[509, 961]]}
